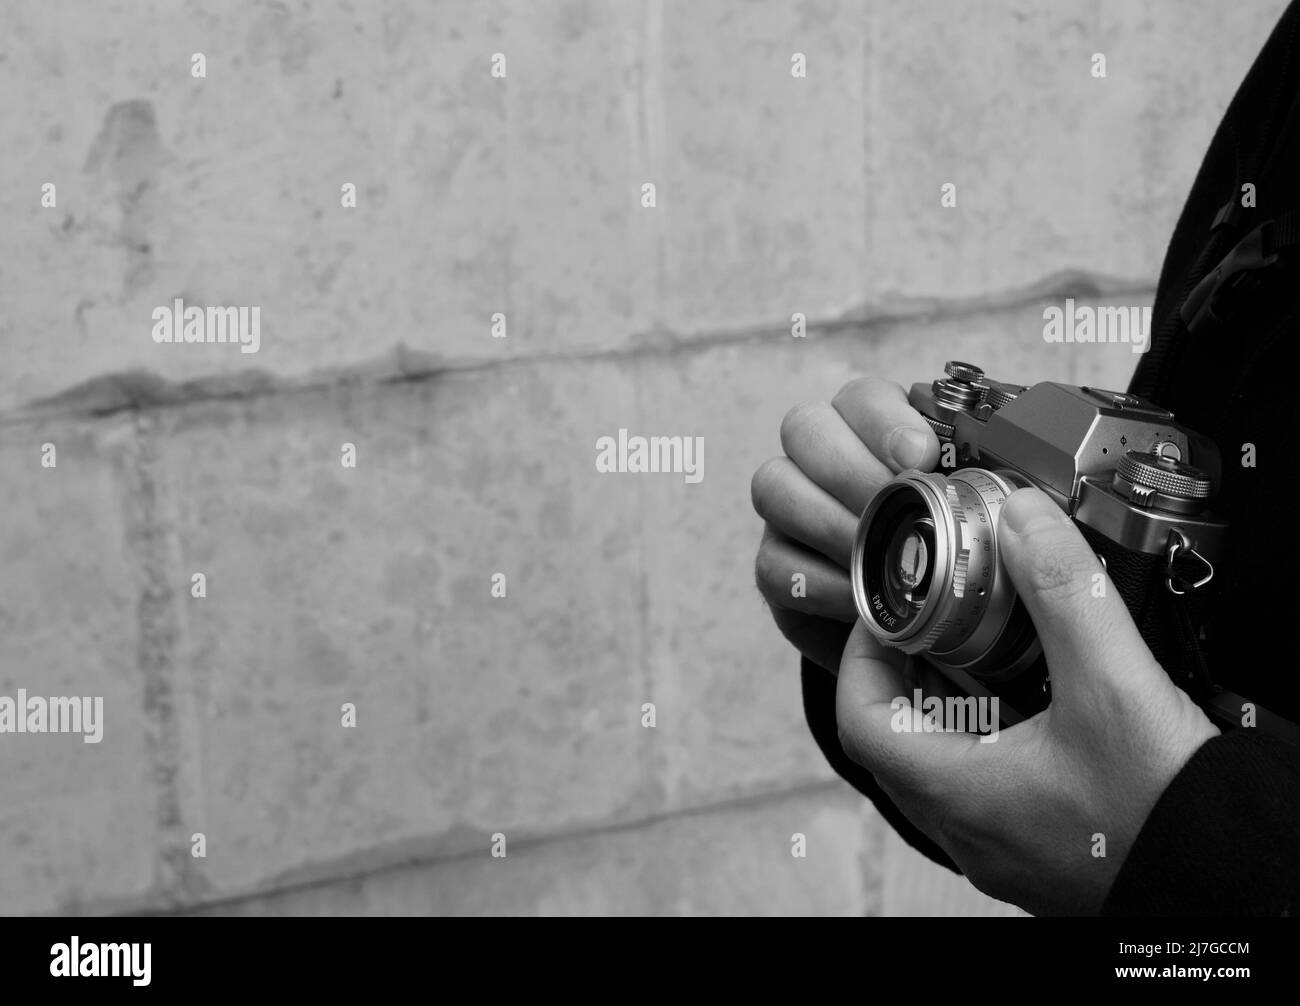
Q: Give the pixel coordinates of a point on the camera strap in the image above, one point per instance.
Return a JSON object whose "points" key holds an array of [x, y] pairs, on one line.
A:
{"points": [[1235, 284], [1227, 708]]}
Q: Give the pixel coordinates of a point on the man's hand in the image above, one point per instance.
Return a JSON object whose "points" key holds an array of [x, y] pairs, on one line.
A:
{"points": [[838, 456], [1022, 816]]}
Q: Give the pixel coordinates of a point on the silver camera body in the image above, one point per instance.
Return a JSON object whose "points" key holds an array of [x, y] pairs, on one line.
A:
{"points": [[925, 569]]}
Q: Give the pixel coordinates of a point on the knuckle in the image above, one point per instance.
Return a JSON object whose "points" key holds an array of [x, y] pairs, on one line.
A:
{"points": [[862, 389], [1058, 572], [799, 423], [769, 572], [765, 484], [791, 624]]}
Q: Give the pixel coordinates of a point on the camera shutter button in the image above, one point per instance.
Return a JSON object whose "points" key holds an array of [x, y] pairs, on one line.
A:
{"points": [[967, 372]]}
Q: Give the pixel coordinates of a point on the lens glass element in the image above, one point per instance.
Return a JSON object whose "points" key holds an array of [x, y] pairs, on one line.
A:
{"points": [[926, 576], [908, 564], [899, 559]]}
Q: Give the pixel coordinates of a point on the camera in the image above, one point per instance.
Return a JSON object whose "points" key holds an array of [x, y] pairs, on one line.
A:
{"points": [[925, 569]]}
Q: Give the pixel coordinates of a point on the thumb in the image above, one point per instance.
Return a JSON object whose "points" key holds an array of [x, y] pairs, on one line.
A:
{"points": [[1088, 635]]}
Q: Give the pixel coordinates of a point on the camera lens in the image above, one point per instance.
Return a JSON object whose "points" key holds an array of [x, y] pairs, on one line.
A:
{"points": [[926, 576], [907, 564]]}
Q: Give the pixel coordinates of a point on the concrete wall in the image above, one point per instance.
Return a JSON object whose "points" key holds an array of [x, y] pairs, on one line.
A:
{"points": [[371, 585]]}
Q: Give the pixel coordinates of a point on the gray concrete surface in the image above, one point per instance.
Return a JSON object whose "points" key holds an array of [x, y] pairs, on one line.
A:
{"points": [[326, 585]]}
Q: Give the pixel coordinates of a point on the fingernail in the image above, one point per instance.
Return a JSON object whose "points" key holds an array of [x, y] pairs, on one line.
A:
{"points": [[1030, 510], [907, 447]]}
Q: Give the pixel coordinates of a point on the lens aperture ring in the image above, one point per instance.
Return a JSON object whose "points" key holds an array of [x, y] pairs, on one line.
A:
{"points": [[961, 550]]}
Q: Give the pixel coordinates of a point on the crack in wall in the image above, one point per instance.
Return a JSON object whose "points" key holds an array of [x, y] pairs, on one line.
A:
{"points": [[142, 389], [180, 881], [178, 877], [394, 864]]}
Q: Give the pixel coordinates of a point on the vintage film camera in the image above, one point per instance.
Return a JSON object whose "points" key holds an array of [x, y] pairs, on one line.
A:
{"points": [[925, 569]]}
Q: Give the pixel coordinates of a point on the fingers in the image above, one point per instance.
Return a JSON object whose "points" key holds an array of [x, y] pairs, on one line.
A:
{"points": [[877, 671], [879, 413], [794, 505], [839, 456], [1087, 633], [791, 576], [819, 441], [821, 640], [879, 729]]}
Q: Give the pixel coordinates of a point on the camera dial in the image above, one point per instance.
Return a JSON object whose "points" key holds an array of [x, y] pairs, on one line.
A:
{"points": [[925, 566], [1163, 482]]}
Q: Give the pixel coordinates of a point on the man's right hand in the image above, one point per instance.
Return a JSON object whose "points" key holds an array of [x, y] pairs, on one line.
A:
{"points": [[837, 457]]}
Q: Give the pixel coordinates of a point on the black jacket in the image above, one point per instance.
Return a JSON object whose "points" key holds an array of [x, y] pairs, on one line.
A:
{"points": [[1224, 838]]}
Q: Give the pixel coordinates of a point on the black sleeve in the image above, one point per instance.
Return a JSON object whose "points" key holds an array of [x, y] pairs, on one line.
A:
{"points": [[819, 710], [1223, 837]]}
